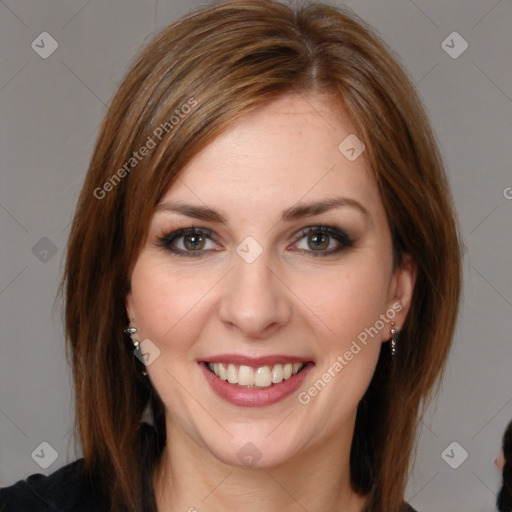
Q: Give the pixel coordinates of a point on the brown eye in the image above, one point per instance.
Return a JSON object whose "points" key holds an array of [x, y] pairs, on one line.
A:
{"points": [[320, 238], [318, 241], [194, 242], [191, 242]]}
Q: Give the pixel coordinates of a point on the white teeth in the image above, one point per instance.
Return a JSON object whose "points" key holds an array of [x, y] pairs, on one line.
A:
{"points": [[277, 373], [263, 377], [222, 371], [232, 374], [246, 376]]}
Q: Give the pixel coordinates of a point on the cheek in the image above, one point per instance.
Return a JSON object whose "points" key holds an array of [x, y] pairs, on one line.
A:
{"points": [[347, 300], [166, 304], [350, 304]]}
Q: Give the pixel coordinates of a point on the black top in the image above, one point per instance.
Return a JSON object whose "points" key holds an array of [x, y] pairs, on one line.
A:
{"points": [[62, 491]]}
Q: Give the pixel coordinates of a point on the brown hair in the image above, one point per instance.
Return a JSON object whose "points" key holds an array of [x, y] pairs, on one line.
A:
{"points": [[224, 61]]}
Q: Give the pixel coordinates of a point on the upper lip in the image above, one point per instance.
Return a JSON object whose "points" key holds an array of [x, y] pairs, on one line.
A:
{"points": [[255, 362]]}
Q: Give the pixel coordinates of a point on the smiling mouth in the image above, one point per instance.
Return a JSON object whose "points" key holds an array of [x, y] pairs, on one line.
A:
{"points": [[256, 378]]}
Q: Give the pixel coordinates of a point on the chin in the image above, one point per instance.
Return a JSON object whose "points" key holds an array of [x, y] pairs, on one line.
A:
{"points": [[258, 453]]}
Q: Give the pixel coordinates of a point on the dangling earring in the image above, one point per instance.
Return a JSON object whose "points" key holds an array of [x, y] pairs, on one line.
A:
{"points": [[136, 343], [394, 339]]}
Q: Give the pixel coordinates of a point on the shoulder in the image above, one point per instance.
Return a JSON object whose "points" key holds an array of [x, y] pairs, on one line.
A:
{"points": [[64, 490], [407, 508], [67, 489]]}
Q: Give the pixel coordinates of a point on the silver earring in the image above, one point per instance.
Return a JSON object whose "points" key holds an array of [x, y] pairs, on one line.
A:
{"points": [[136, 343], [394, 339]]}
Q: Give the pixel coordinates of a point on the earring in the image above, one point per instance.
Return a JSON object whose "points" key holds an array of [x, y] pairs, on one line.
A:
{"points": [[394, 339], [136, 343]]}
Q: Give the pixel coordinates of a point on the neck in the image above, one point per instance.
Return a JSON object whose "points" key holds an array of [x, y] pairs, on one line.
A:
{"points": [[190, 478]]}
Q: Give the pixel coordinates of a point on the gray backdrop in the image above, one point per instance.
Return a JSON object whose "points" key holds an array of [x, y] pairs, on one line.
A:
{"points": [[51, 105]]}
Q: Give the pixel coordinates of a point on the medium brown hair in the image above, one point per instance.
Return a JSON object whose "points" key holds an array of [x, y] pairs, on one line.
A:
{"points": [[227, 60]]}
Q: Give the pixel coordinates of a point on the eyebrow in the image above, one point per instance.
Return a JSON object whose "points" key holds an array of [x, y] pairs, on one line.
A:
{"points": [[293, 213]]}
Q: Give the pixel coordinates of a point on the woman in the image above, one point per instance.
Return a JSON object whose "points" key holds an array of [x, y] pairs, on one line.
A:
{"points": [[263, 273]]}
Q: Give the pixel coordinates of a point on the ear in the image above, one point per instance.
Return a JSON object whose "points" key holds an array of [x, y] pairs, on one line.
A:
{"points": [[129, 306], [401, 289], [499, 461]]}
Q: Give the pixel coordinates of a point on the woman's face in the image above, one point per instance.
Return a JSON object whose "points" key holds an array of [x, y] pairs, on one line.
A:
{"points": [[281, 279]]}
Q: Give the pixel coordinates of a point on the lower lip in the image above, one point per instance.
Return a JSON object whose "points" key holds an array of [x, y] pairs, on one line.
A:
{"points": [[255, 397]]}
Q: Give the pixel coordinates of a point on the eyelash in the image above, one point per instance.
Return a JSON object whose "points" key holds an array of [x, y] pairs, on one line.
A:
{"points": [[340, 236]]}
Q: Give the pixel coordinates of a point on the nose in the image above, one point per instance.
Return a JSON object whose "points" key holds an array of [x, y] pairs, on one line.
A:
{"points": [[255, 300]]}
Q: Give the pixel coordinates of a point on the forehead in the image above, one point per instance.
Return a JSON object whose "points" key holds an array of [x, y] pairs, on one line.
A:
{"points": [[277, 155]]}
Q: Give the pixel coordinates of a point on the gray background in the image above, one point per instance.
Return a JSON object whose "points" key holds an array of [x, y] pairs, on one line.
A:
{"points": [[50, 112]]}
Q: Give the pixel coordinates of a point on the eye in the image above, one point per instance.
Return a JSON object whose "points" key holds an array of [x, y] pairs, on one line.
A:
{"points": [[185, 242], [193, 242], [320, 238]]}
